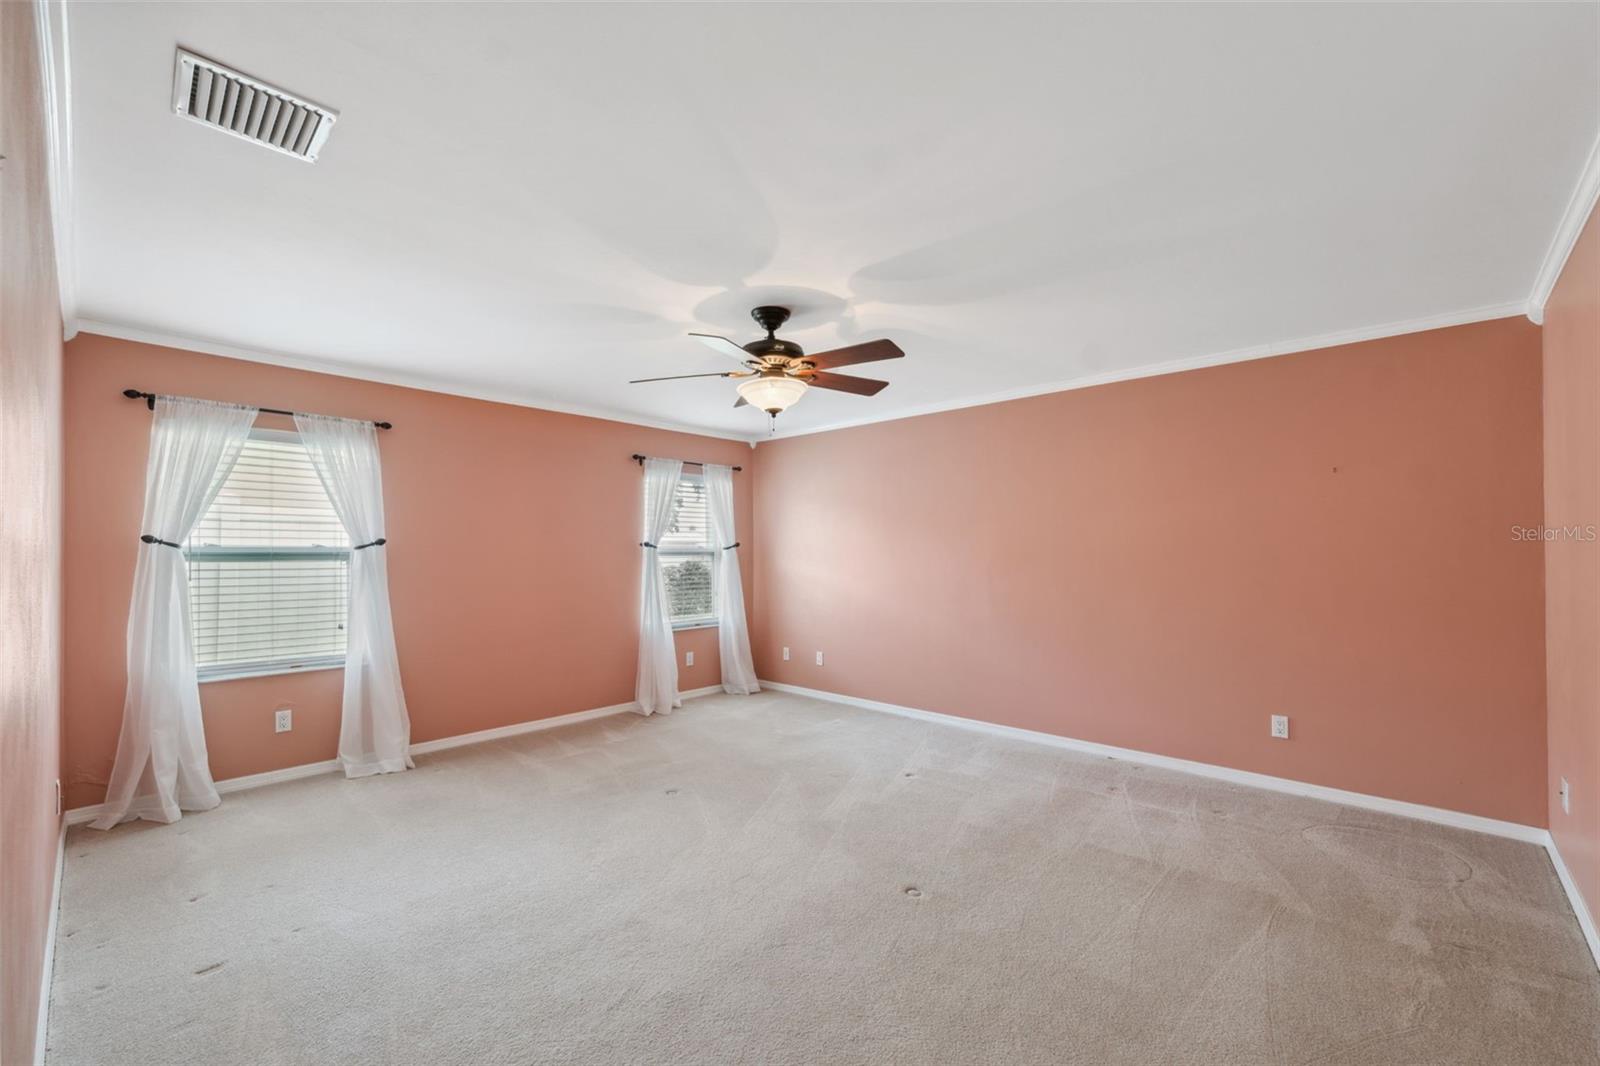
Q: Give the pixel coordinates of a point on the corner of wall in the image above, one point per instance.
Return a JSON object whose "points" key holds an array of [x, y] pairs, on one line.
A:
{"points": [[1570, 350], [31, 521]]}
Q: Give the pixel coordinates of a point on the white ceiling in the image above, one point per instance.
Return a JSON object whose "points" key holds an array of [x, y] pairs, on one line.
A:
{"points": [[535, 203]]}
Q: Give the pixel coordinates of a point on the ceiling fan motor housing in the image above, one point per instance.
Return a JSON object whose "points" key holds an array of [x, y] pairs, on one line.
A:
{"points": [[770, 347]]}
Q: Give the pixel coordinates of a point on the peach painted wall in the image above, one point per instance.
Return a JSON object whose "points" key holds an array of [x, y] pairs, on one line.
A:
{"points": [[30, 538], [513, 557], [1161, 564], [1572, 565]]}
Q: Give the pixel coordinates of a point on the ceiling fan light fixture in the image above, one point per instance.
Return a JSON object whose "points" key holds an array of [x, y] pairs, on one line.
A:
{"points": [[776, 373], [772, 394]]}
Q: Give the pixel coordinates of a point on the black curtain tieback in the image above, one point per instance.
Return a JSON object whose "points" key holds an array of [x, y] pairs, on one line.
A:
{"points": [[732, 546], [646, 544], [149, 539], [380, 542]]}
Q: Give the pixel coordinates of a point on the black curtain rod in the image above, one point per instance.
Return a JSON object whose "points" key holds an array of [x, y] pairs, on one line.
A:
{"points": [[636, 457], [150, 400]]}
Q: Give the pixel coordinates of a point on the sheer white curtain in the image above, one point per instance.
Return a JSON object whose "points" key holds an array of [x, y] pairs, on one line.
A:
{"points": [[657, 687], [161, 768], [733, 633], [374, 729]]}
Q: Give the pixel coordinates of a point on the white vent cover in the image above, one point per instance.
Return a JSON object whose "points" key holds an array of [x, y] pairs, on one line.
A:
{"points": [[224, 99]]}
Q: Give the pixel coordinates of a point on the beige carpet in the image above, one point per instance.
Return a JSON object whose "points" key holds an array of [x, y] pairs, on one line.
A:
{"points": [[772, 879]]}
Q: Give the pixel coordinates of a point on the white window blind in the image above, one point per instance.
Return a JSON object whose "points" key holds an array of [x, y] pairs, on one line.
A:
{"points": [[269, 567], [687, 556]]}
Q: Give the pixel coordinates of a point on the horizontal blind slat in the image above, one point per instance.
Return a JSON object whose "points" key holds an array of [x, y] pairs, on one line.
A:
{"points": [[687, 556], [253, 608]]}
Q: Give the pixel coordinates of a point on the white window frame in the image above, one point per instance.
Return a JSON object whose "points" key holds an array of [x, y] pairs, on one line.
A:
{"points": [[709, 554], [265, 667]]}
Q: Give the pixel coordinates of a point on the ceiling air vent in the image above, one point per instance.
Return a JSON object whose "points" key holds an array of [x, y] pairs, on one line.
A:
{"points": [[224, 99]]}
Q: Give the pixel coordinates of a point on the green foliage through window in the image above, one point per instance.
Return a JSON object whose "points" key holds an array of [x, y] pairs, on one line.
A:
{"points": [[688, 557]]}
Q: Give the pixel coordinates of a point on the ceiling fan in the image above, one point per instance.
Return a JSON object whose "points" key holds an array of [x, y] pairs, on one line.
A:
{"points": [[777, 373]]}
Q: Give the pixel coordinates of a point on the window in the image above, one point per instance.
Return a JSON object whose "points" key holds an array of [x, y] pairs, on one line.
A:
{"points": [[687, 557], [269, 567]]}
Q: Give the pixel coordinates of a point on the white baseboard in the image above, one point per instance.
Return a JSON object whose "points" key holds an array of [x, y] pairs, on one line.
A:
{"points": [[1514, 830], [1477, 823], [48, 970], [483, 736], [81, 815], [1575, 897]]}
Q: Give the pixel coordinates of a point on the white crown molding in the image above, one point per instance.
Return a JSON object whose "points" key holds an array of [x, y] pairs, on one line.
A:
{"points": [[1178, 366], [55, 75], [82, 815], [401, 380], [1579, 207], [166, 339]]}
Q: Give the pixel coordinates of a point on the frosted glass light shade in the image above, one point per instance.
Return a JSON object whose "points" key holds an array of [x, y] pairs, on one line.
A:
{"points": [[772, 394]]}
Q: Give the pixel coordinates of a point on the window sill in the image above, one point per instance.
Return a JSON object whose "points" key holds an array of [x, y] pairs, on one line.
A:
{"points": [[682, 626], [268, 671]]}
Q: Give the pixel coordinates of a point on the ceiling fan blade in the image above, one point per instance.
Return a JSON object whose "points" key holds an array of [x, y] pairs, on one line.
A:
{"points": [[870, 352], [679, 377], [741, 402], [723, 345], [846, 383]]}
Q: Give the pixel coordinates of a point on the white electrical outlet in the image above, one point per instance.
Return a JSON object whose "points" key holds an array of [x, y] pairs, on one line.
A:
{"points": [[785, 654], [688, 658], [819, 658], [1566, 797], [283, 720], [1280, 726]]}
